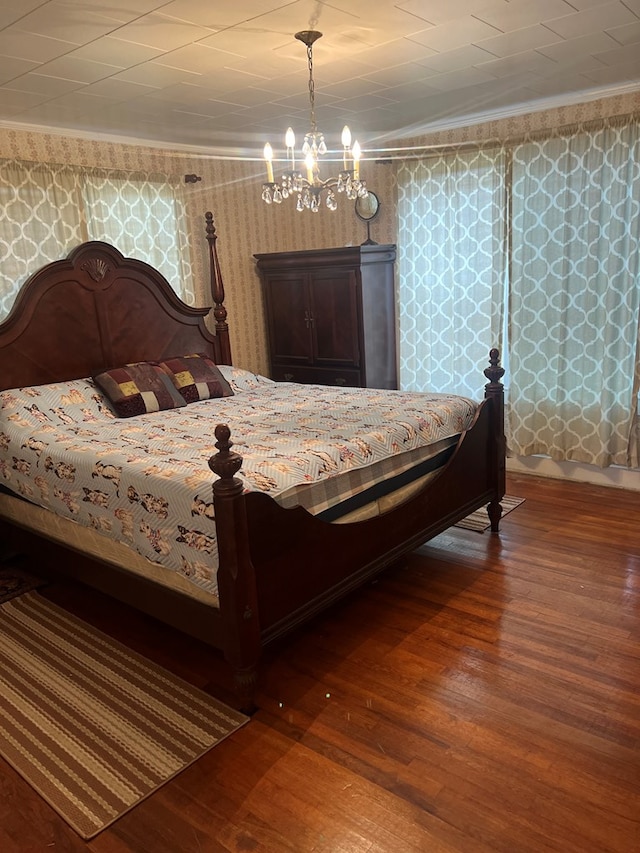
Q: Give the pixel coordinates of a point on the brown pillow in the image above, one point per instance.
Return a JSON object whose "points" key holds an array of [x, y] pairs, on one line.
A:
{"points": [[139, 389], [196, 377]]}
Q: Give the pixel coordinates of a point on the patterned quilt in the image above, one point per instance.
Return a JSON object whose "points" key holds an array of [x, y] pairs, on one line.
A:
{"points": [[145, 480]]}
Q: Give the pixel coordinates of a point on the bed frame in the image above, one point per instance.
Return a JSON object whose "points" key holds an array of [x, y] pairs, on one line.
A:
{"points": [[278, 567]]}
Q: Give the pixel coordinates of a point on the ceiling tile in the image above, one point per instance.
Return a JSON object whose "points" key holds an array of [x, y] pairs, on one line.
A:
{"points": [[12, 12], [409, 91], [573, 49], [344, 69], [161, 32], [197, 58], [19, 100], [36, 48], [220, 14], [40, 84], [49, 114], [396, 52], [460, 79], [158, 76], [550, 86], [629, 53], [366, 102], [437, 12], [121, 11], [529, 61], [73, 24], [119, 90], [455, 34], [517, 14], [83, 102], [113, 51], [627, 34], [602, 17], [529, 38], [387, 24], [614, 74], [354, 87], [400, 74], [11, 67], [70, 67], [454, 60]]}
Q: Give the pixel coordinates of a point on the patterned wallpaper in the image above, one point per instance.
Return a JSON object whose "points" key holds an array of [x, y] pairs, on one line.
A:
{"points": [[245, 225]]}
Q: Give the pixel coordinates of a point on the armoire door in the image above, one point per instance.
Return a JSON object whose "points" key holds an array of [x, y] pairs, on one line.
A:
{"points": [[289, 318], [335, 318]]}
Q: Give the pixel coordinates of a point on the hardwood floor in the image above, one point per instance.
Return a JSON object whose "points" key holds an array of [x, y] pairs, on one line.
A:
{"points": [[483, 698]]}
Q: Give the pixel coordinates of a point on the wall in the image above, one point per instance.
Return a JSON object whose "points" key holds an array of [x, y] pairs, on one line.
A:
{"points": [[244, 223]]}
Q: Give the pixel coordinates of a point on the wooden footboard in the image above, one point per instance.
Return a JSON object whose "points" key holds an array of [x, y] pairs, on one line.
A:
{"points": [[280, 566]]}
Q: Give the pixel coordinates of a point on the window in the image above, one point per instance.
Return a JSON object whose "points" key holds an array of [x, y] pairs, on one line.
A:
{"points": [[562, 216], [452, 264], [48, 210]]}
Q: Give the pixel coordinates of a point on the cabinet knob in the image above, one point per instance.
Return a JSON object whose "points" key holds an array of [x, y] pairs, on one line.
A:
{"points": [[288, 377], [340, 380]]}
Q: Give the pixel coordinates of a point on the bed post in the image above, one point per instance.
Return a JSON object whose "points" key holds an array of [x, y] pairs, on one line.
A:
{"points": [[217, 292], [494, 392], [236, 579]]}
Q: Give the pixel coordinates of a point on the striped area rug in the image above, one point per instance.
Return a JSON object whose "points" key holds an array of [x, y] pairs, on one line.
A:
{"points": [[479, 520], [92, 726]]}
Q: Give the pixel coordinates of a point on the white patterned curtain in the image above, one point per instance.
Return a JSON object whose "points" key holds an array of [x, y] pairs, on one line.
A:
{"points": [[570, 264], [144, 216], [451, 268], [47, 210], [575, 294], [40, 221]]}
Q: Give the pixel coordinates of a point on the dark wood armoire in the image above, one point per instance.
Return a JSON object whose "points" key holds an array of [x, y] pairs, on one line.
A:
{"points": [[331, 315]]}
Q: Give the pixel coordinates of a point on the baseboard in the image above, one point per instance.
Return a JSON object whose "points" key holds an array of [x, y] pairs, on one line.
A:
{"points": [[614, 476]]}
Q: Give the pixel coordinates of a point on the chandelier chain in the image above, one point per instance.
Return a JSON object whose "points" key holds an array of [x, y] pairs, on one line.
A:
{"points": [[312, 92]]}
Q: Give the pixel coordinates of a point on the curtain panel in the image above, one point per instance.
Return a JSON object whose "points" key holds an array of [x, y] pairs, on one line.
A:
{"points": [[575, 287], [47, 210], [451, 268], [565, 221]]}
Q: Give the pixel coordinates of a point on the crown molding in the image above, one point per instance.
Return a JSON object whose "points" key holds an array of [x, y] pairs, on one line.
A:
{"points": [[117, 139], [227, 153], [526, 107]]}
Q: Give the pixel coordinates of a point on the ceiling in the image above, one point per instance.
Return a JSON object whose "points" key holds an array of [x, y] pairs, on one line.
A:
{"points": [[226, 75]]}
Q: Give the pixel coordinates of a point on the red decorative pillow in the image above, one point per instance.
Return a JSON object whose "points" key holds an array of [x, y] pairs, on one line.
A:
{"points": [[139, 389], [196, 377]]}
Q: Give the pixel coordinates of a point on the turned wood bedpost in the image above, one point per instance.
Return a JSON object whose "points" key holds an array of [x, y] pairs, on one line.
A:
{"points": [[236, 578], [494, 391], [217, 292]]}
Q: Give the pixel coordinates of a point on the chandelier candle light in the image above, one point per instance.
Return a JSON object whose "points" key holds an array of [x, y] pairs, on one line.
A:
{"points": [[310, 187]]}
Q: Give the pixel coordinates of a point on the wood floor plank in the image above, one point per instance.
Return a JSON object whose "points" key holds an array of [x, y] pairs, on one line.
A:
{"points": [[484, 697]]}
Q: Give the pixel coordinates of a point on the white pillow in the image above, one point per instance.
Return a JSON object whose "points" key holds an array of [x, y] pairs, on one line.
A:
{"points": [[243, 380]]}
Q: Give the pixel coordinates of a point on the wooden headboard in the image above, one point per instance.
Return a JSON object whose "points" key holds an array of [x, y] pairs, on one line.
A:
{"points": [[96, 310]]}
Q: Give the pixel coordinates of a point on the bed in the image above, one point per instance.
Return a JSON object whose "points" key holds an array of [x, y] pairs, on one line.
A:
{"points": [[279, 557]]}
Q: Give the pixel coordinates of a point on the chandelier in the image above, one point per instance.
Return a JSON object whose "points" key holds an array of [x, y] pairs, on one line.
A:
{"points": [[309, 187]]}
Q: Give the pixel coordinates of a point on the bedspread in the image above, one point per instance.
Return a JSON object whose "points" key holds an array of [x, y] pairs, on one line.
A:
{"points": [[145, 480]]}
